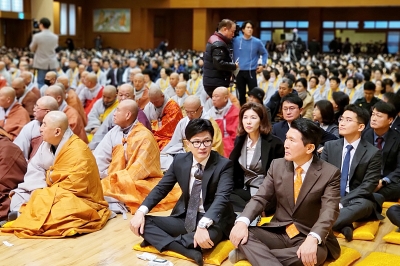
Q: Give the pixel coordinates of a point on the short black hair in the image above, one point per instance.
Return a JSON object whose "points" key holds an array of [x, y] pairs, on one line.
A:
{"points": [[325, 107], [117, 62], [362, 113], [245, 23], [314, 77], [198, 125], [341, 99], [303, 81], [387, 82], [185, 75], [292, 98], [335, 79], [386, 108], [343, 72], [146, 72], [168, 71], [367, 75], [45, 22], [266, 74], [310, 132], [369, 86]]}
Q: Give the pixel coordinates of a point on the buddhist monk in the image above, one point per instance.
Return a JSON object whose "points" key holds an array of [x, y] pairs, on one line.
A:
{"points": [[129, 161], [91, 93], [75, 121], [13, 117], [141, 90], [29, 139], [29, 82], [61, 194], [25, 97], [164, 115]]}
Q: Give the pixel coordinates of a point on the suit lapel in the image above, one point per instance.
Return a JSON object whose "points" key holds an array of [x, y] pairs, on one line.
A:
{"points": [[208, 172], [265, 146], [310, 179], [185, 174], [288, 183], [243, 155], [389, 141], [360, 151], [337, 160]]}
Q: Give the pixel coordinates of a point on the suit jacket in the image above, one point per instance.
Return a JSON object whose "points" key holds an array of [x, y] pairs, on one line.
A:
{"points": [[396, 124], [317, 206], [271, 148], [115, 81], [217, 184], [44, 45], [390, 153], [365, 170]]}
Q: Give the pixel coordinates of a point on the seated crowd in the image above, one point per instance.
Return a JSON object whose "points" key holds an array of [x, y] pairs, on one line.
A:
{"points": [[316, 144]]}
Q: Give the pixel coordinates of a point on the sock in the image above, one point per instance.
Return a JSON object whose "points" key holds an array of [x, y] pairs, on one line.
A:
{"points": [[190, 253]]}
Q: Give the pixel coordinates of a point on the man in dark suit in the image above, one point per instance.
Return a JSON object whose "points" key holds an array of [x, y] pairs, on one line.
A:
{"points": [[388, 141], [369, 99], [360, 162], [291, 110], [115, 74], [203, 215], [307, 193]]}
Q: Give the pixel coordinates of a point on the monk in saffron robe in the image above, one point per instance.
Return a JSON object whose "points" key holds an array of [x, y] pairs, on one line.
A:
{"points": [[129, 162], [29, 139], [101, 109], [74, 119], [194, 110], [13, 117], [68, 198], [125, 91], [12, 170], [227, 117], [72, 99], [164, 115], [91, 92], [25, 97]]}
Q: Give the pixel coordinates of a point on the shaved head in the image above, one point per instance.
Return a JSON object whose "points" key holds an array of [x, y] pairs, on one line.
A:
{"points": [[220, 97], [192, 100], [51, 75], [126, 91], [60, 85], [7, 97], [64, 81], [57, 119], [126, 113], [54, 125], [222, 90], [18, 84], [109, 95], [192, 107], [156, 97], [174, 79], [27, 76], [91, 77], [43, 106], [56, 92], [155, 92], [110, 89]]}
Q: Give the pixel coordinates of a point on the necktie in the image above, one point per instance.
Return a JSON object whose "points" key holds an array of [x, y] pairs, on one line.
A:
{"points": [[379, 141], [345, 171], [297, 183], [194, 201]]}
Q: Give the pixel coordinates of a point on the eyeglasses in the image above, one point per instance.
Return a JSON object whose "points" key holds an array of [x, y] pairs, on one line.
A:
{"points": [[38, 108], [192, 112], [206, 143], [291, 109], [347, 120]]}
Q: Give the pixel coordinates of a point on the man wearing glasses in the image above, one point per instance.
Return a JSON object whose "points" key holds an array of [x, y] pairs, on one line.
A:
{"points": [[194, 110], [360, 164], [203, 215]]}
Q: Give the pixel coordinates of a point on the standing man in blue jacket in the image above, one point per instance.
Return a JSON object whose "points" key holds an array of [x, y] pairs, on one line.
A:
{"points": [[247, 50]]}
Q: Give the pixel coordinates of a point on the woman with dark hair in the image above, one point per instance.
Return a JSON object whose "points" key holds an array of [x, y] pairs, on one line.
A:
{"points": [[350, 88], [305, 96], [339, 101], [379, 89], [323, 114], [255, 148]]}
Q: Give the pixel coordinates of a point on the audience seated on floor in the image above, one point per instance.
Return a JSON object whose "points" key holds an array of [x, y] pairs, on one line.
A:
{"points": [[25, 97], [92, 92], [63, 173], [141, 90]]}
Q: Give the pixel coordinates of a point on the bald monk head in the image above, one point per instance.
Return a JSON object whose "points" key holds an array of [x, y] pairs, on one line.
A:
{"points": [[192, 107], [109, 95], [83, 77], [156, 97], [43, 106], [180, 89], [57, 93], [60, 85], [27, 76], [220, 97], [138, 81], [18, 85], [91, 80], [81, 68], [64, 81], [50, 78], [54, 125], [133, 73], [126, 113], [126, 91], [174, 79], [7, 97]]}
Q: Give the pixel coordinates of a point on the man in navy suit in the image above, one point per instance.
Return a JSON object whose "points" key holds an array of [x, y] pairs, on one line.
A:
{"points": [[388, 141], [203, 215], [115, 74]]}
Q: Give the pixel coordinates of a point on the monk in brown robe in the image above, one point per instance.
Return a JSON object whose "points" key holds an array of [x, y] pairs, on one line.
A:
{"points": [[12, 115], [75, 121], [25, 97], [30, 85], [70, 199], [12, 170]]}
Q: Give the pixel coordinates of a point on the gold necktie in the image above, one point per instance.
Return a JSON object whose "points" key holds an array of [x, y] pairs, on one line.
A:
{"points": [[297, 183]]}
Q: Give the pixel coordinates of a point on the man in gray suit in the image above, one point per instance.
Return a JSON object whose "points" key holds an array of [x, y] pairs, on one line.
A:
{"points": [[44, 46], [360, 163], [307, 193]]}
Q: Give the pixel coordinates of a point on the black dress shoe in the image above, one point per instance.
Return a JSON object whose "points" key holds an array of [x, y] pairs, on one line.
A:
{"points": [[2, 223], [347, 231], [144, 244], [12, 216]]}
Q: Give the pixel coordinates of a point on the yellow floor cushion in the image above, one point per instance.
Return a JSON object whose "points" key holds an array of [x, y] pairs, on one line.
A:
{"points": [[392, 237], [363, 230], [347, 257], [381, 259], [388, 204], [215, 256]]}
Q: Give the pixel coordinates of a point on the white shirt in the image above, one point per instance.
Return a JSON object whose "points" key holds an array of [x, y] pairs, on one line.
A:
{"points": [[250, 151], [352, 152]]}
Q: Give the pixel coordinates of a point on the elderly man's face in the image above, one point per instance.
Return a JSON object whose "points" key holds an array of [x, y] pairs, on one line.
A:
{"points": [[19, 88], [157, 100]]}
